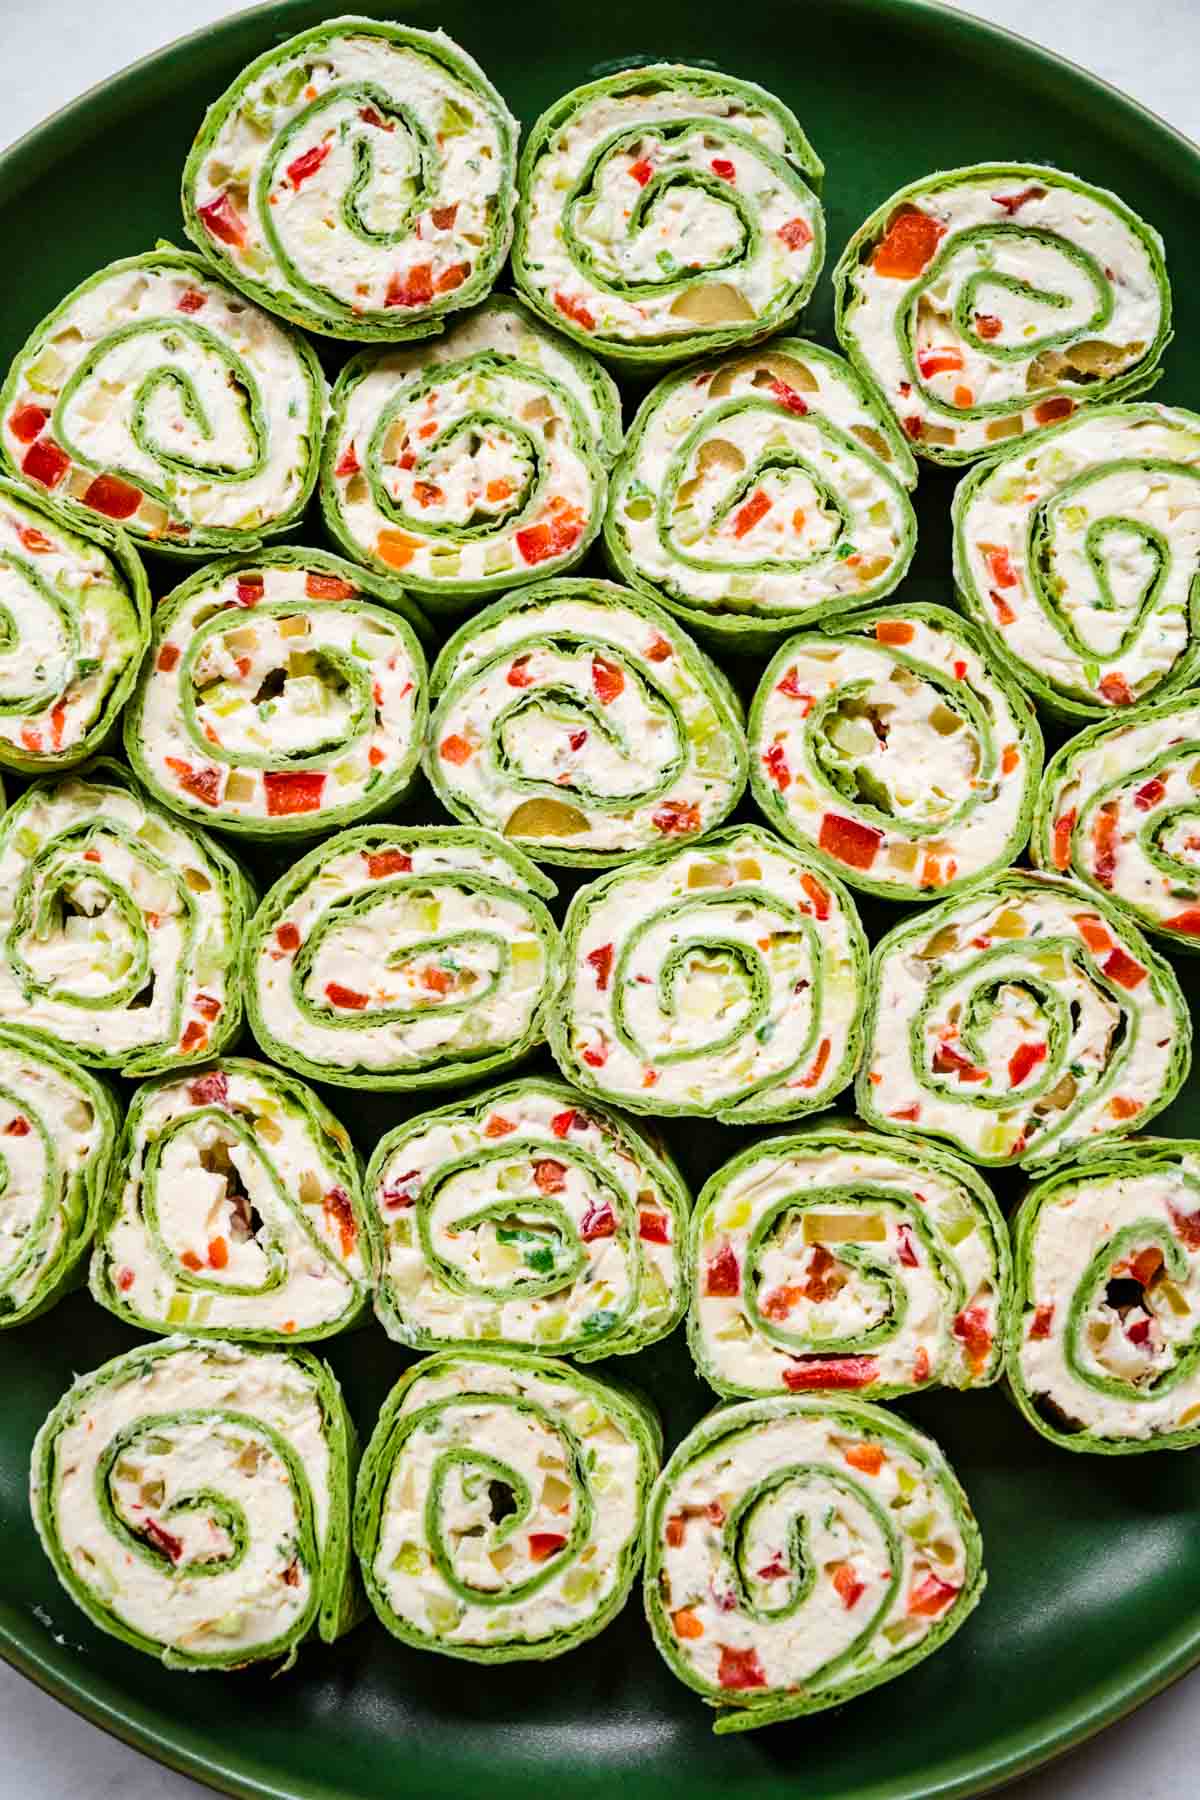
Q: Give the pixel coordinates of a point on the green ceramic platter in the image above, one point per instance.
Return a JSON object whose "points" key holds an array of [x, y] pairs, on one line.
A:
{"points": [[1093, 1567]]}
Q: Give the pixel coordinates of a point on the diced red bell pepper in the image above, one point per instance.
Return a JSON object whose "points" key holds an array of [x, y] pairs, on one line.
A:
{"points": [[724, 168], [817, 894], [936, 361], [382, 863], [722, 1275], [191, 301], [1012, 203], [544, 1544], [676, 818], [1042, 1321], [190, 1260], [607, 680], [348, 464], [1004, 612], [1149, 794], [854, 844], [168, 656], [221, 219], [339, 1212], [209, 1090], [348, 999], [905, 1247], [549, 1175], [999, 564], [848, 1587], [25, 422], [1104, 842], [562, 1122], [930, 1597], [911, 239], [597, 1222], [125, 1280], [756, 508], [1050, 412], [455, 749], [818, 1068], [1124, 970], [36, 542], [287, 936], [45, 462], [412, 289], [830, 1372], [1116, 690], [403, 1191], [115, 498], [203, 784], [438, 981], [790, 686], [789, 399], [1024, 1059], [207, 1005], [298, 172], [659, 650], [518, 676], [601, 960], [166, 1541], [894, 631], [795, 234], [1186, 1225], [868, 1459], [1187, 921], [654, 1227], [1093, 933], [776, 765], [328, 587], [988, 326], [291, 791], [921, 1365], [17, 1127], [971, 1329], [572, 308], [740, 1669], [1064, 825], [498, 1126], [555, 538], [641, 171]]}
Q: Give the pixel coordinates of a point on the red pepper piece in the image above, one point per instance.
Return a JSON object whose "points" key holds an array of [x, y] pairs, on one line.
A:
{"points": [[722, 1275], [971, 1329], [1013, 202], [894, 631], [115, 498], [221, 219], [607, 680], [17, 1126], [347, 998], [549, 1176], [596, 1055], [1124, 970], [438, 981], [1024, 1059], [597, 1222], [987, 325], [25, 422], [934, 362], [209, 1090], [207, 1005], [125, 1280], [190, 1260], [1116, 690], [340, 1213], [1004, 611], [382, 863], [909, 243], [562, 1122], [676, 818], [854, 844], [163, 1540], [403, 1191], [740, 1669], [577, 739], [349, 464], [455, 749], [292, 791], [999, 564], [1104, 840], [818, 1069], [544, 1544], [641, 171], [1149, 794], [306, 165], [562, 533], [789, 398], [817, 894], [36, 542], [191, 301], [218, 1253], [724, 168], [601, 960], [498, 1127], [45, 462], [775, 763], [1042, 1320], [1187, 921], [906, 1249], [654, 1227], [830, 1372], [789, 686], [287, 936], [203, 784], [795, 234], [921, 1365], [518, 676], [1093, 933], [413, 289], [849, 1588], [1187, 1226], [168, 656], [328, 587], [443, 217], [1051, 411], [747, 518], [930, 1597], [1064, 825], [659, 650], [574, 309]]}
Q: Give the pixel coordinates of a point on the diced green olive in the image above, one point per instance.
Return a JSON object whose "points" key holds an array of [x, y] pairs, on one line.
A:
{"points": [[713, 303], [545, 818], [874, 440], [844, 1228]]}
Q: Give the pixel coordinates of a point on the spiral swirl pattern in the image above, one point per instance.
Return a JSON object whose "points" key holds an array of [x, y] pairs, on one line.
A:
{"points": [[1104, 1347], [472, 464], [763, 492], [890, 748], [666, 210], [357, 179], [839, 1260], [58, 1128], [499, 1507], [724, 978], [988, 302], [390, 958], [194, 1500], [525, 1217], [577, 718], [1020, 1022], [74, 620], [119, 927], [1079, 555], [283, 694], [800, 1552], [236, 1211]]}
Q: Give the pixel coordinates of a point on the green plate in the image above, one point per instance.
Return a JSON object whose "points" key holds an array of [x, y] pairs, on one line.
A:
{"points": [[1093, 1566]]}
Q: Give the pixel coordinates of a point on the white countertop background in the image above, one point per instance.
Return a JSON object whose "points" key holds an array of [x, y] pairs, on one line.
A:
{"points": [[51, 52]]}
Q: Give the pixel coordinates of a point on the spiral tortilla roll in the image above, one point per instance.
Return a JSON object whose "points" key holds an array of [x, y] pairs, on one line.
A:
{"points": [[500, 1503], [74, 621], [990, 301], [800, 1552], [119, 926], [1020, 1022], [1103, 1342], [194, 1500], [58, 1129], [527, 1217], [763, 492], [725, 978], [154, 398], [402, 958], [474, 463], [890, 748], [840, 1260], [357, 179], [1078, 556], [667, 210], [283, 694], [578, 719], [235, 1211]]}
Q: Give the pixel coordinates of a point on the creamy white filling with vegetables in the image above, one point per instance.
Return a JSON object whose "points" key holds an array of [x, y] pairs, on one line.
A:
{"points": [[1079, 554], [833, 1261], [770, 486], [723, 977], [891, 747], [988, 302], [1020, 1022], [665, 205], [360, 178], [583, 723], [156, 397]]}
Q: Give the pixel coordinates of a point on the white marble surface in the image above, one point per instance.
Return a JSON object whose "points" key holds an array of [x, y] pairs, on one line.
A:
{"points": [[50, 53]]}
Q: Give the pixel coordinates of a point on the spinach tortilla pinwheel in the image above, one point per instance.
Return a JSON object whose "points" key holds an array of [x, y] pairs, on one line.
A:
{"points": [[284, 693], [577, 718], [801, 1551], [888, 746], [500, 1504], [395, 957], [58, 1129], [725, 978], [235, 1211], [358, 179], [474, 463], [120, 927], [988, 302], [194, 1499], [1119, 810], [1077, 554], [1020, 1022], [838, 1259], [74, 622], [154, 398], [1104, 1340], [762, 492], [667, 210], [527, 1217]]}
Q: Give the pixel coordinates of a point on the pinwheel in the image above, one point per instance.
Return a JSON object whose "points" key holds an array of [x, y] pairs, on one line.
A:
{"points": [[357, 179], [987, 302], [235, 1211], [194, 1500], [666, 210], [890, 748], [500, 1505], [800, 1552], [1021, 1022], [283, 694], [841, 1260], [154, 398], [402, 958], [577, 718], [526, 1216], [725, 978]]}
